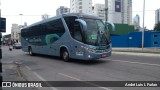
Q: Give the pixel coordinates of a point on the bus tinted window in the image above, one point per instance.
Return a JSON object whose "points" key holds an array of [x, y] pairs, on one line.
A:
{"points": [[74, 27], [51, 27], [70, 23]]}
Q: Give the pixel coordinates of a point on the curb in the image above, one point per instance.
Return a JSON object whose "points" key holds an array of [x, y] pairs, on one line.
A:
{"points": [[137, 54]]}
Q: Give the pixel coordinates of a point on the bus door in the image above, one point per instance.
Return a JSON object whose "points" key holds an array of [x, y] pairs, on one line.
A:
{"points": [[76, 33]]}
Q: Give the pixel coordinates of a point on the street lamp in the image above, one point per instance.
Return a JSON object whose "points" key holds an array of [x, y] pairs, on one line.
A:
{"points": [[21, 18], [143, 25]]}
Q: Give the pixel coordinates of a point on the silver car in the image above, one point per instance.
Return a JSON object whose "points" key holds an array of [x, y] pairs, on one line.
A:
{"points": [[17, 46]]}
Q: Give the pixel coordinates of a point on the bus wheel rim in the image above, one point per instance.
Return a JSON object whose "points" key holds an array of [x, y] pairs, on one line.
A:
{"points": [[65, 55], [30, 52]]}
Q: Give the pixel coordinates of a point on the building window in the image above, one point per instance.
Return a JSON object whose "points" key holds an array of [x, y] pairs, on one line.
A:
{"points": [[155, 36], [80, 3], [80, 11], [155, 43], [80, 7]]}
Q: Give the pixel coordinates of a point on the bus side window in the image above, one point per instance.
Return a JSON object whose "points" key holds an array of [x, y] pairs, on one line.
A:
{"points": [[70, 23], [77, 31], [74, 27]]}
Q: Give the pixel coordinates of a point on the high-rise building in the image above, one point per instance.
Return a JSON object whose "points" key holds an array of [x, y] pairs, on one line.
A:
{"points": [[136, 22], [137, 19], [157, 16], [99, 10], [15, 32], [62, 10], [120, 11], [81, 6]]}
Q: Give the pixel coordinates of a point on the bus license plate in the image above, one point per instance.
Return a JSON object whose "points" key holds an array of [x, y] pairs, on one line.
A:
{"points": [[104, 55]]}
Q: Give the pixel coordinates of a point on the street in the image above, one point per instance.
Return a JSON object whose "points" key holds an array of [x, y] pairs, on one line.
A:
{"points": [[114, 68]]}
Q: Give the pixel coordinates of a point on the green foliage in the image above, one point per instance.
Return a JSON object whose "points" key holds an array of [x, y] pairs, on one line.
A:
{"points": [[157, 27], [122, 29]]}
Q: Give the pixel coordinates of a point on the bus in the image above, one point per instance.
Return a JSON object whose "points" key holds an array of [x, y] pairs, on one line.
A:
{"points": [[74, 35]]}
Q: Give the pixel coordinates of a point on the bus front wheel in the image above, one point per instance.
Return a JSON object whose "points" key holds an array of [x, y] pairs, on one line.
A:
{"points": [[65, 55], [30, 51]]}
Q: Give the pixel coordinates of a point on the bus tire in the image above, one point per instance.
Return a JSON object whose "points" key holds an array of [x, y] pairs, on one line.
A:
{"points": [[65, 55], [30, 51]]}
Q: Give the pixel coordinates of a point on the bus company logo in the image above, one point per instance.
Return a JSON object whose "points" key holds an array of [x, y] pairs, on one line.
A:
{"points": [[6, 84]]}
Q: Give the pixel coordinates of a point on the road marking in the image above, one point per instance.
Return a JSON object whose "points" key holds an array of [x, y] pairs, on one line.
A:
{"points": [[69, 76], [84, 82], [135, 62], [28, 67], [40, 77]]}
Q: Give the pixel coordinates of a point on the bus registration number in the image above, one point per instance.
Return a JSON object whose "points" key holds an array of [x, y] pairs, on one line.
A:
{"points": [[103, 55]]}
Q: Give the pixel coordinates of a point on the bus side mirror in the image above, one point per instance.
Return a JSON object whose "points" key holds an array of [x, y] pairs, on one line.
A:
{"points": [[83, 23], [112, 25]]}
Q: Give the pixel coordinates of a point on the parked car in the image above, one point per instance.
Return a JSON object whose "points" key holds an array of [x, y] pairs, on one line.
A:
{"points": [[17, 46]]}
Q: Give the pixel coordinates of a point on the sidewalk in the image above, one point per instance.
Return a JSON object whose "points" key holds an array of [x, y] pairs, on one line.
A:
{"points": [[145, 50], [12, 72], [151, 52]]}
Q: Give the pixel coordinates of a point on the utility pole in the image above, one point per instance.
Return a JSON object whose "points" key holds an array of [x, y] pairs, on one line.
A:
{"points": [[143, 25], [106, 10], [1, 78]]}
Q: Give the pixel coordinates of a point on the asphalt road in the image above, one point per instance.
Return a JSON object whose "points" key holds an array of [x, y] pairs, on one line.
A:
{"points": [[114, 68]]}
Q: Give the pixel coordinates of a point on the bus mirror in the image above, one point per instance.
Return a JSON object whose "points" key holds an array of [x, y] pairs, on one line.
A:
{"points": [[112, 25], [83, 23]]}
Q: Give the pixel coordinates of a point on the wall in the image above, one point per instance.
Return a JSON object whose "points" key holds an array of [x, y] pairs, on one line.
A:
{"points": [[134, 39], [119, 41], [155, 40]]}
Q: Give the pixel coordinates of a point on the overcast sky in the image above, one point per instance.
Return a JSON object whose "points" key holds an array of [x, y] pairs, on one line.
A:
{"points": [[33, 9]]}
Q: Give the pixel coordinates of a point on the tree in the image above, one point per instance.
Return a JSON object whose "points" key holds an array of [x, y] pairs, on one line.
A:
{"points": [[157, 27]]}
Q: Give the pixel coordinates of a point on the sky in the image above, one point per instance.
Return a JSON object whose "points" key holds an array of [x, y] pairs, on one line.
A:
{"points": [[33, 9]]}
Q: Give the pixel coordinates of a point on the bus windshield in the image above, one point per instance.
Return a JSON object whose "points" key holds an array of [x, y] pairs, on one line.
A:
{"points": [[96, 33]]}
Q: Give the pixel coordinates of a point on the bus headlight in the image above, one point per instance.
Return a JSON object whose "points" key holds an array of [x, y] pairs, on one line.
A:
{"points": [[89, 56], [88, 49], [92, 50]]}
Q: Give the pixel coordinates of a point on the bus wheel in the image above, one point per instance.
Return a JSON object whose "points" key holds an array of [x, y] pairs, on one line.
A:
{"points": [[30, 51], [65, 55]]}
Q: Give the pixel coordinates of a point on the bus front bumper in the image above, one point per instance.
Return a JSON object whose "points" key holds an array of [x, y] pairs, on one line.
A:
{"points": [[94, 56]]}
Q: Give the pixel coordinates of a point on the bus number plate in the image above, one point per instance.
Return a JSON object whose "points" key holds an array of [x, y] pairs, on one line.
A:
{"points": [[104, 55]]}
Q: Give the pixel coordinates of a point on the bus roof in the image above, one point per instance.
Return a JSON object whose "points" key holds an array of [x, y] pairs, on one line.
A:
{"points": [[79, 15], [43, 21]]}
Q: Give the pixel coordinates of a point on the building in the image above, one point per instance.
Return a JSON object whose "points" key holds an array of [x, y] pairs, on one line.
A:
{"points": [[15, 33], [157, 16], [62, 10], [45, 16], [136, 22], [99, 10], [120, 11], [81, 6]]}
